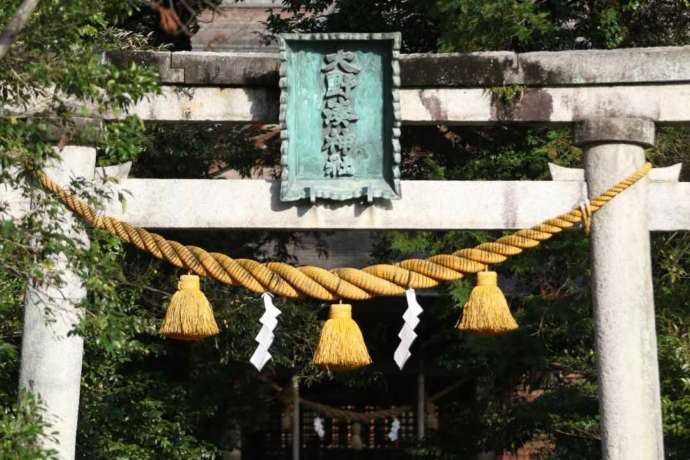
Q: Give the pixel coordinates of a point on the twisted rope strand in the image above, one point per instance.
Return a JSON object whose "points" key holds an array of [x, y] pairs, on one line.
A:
{"points": [[339, 283], [355, 416]]}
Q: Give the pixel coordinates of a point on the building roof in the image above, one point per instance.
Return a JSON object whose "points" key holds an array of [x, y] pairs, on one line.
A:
{"points": [[236, 26]]}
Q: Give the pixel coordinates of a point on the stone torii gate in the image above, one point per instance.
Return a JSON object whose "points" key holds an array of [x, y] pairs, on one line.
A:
{"points": [[612, 99]]}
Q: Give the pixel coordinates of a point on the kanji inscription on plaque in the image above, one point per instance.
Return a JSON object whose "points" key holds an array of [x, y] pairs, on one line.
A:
{"points": [[340, 116]]}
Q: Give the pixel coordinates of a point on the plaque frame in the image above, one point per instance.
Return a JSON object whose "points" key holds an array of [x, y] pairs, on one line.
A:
{"points": [[381, 179]]}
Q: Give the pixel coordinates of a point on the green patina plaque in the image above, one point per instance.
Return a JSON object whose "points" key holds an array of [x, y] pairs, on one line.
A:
{"points": [[340, 116]]}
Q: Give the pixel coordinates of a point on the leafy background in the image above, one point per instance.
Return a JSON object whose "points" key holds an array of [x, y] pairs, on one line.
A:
{"points": [[144, 397]]}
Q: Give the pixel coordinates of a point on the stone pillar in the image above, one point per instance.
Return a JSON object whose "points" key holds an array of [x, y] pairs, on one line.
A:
{"points": [[234, 435], [295, 418], [421, 410], [629, 396], [51, 358]]}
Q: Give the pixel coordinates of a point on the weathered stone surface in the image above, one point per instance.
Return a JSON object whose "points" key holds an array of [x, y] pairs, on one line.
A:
{"points": [[472, 70], [665, 104], [201, 68], [614, 130], [220, 69], [159, 60], [484, 69], [209, 104], [571, 68], [12, 204], [661, 103], [668, 206], [629, 397], [649, 83], [667, 174], [118, 171], [51, 357], [426, 205]]}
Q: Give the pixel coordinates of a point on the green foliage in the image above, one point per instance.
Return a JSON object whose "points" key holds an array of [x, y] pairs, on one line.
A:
{"points": [[672, 292], [54, 71], [141, 417], [148, 398], [410, 17], [120, 141], [206, 151], [471, 25], [11, 289], [474, 25], [508, 95], [21, 430], [541, 380]]}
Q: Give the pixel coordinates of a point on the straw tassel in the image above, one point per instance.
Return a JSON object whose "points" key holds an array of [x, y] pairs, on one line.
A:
{"points": [[341, 345], [486, 311], [189, 315]]}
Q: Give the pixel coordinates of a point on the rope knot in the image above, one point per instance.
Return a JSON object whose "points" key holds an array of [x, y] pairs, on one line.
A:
{"points": [[586, 216]]}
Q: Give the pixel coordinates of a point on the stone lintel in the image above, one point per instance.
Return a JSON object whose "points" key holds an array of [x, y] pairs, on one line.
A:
{"points": [[450, 70], [665, 104], [425, 205], [664, 174], [639, 131], [546, 68], [158, 60]]}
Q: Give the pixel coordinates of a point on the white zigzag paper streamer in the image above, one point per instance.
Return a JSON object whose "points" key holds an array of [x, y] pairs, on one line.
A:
{"points": [[395, 427], [269, 321], [318, 427], [407, 334]]}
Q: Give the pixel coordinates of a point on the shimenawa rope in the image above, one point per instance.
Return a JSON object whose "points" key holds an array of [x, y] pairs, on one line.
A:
{"points": [[340, 283], [355, 416]]}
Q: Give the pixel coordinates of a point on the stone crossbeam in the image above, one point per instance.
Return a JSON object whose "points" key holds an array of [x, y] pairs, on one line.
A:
{"points": [[426, 205], [665, 104], [457, 89], [460, 70], [552, 88]]}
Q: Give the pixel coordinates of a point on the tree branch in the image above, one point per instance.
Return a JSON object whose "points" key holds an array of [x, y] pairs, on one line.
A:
{"points": [[16, 25]]}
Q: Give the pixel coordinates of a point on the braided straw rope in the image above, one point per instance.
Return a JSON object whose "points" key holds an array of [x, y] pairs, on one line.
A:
{"points": [[343, 414], [355, 416], [339, 283]]}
